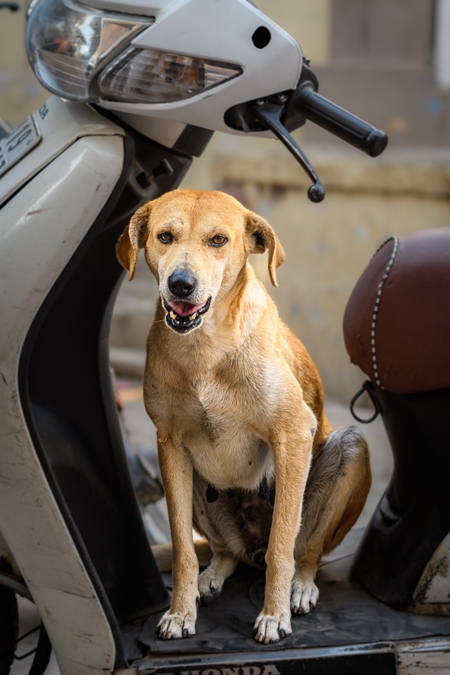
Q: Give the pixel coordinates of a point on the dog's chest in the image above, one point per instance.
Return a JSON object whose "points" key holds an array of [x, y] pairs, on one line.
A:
{"points": [[219, 425]]}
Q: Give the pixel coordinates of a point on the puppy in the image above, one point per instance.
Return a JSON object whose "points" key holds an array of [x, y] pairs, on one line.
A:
{"points": [[246, 452]]}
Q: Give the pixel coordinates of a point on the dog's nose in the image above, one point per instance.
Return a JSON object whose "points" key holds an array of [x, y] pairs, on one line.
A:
{"points": [[181, 283]]}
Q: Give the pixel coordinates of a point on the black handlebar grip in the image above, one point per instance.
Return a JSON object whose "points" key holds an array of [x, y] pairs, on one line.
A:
{"points": [[340, 122]]}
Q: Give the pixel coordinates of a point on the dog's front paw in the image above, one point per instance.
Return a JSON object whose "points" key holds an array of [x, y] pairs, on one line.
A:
{"points": [[304, 595], [270, 628], [175, 626]]}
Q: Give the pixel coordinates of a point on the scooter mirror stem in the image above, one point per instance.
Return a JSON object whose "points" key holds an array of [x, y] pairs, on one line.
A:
{"points": [[269, 113]]}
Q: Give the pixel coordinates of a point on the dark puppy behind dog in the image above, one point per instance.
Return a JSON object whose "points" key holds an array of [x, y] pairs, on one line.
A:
{"points": [[246, 452]]}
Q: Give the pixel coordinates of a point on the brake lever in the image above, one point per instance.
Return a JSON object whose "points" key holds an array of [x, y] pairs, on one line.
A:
{"points": [[269, 113]]}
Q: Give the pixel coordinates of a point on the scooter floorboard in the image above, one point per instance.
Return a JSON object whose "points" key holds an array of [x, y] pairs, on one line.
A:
{"points": [[347, 624]]}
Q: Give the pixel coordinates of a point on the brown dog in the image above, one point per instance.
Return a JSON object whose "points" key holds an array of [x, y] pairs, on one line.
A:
{"points": [[237, 403]]}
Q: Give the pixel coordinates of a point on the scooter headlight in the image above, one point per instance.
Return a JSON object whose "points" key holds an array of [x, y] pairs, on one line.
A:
{"points": [[85, 55], [68, 45], [151, 76]]}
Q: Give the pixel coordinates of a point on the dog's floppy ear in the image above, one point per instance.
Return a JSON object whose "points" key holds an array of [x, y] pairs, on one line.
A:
{"points": [[132, 239], [262, 237]]}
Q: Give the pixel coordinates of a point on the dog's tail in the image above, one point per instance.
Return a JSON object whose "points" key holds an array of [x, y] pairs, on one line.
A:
{"points": [[163, 554]]}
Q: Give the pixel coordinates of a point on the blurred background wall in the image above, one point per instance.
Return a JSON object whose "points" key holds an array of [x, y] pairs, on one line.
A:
{"points": [[388, 61]]}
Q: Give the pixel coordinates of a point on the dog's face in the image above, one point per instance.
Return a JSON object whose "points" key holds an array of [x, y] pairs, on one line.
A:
{"points": [[196, 244]]}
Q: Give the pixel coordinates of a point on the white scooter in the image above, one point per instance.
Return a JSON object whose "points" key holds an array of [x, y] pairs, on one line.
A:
{"points": [[139, 88]]}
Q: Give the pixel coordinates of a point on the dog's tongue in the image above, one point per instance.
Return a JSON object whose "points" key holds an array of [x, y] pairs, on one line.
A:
{"points": [[184, 308]]}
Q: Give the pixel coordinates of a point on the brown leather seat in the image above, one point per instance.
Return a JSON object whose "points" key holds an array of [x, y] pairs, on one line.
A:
{"points": [[397, 320]]}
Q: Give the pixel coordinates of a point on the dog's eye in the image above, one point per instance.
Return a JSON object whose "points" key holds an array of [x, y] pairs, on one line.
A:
{"points": [[218, 240], [165, 237]]}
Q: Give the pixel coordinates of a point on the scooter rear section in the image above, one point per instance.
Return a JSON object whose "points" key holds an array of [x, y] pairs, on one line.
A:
{"points": [[397, 330]]}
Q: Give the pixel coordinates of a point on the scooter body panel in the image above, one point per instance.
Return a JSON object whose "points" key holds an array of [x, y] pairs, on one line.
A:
{"points": [[416, 657], [60, 124], [200, 28], [40, 229]]}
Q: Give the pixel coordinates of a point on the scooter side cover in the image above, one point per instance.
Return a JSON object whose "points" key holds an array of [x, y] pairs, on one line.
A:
{"points": [[60, 124], [40, 228]]}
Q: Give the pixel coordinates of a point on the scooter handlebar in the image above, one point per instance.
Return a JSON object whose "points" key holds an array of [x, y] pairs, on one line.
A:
{"points": [[339, 122]]}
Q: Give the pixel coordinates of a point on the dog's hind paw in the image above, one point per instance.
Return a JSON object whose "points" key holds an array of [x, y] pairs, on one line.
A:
{"points": [[212, 579], [304, 596], [209, 586], [175, 626], [269, 628]]}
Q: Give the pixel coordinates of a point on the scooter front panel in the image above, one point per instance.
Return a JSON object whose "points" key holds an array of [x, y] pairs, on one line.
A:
{"points": [[70, 411], [40, 229]]}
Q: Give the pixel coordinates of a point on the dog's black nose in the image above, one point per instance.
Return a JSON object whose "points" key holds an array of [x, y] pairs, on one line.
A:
{"points": [[181, 283]]}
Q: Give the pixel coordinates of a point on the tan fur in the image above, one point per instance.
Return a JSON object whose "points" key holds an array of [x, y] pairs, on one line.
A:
{"points": [[237, 402]]}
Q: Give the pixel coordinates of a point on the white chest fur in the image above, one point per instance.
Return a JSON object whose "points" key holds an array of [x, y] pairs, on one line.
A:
{"points": [[219, 432]]}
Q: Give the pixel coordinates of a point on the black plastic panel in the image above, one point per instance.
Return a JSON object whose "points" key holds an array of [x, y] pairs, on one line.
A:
{"points": [[348, 632], [414, 515], [369, 660], [345, 616]]}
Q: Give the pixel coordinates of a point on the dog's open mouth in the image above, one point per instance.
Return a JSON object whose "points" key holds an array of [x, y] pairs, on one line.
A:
{"points": [[183, 316]]}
